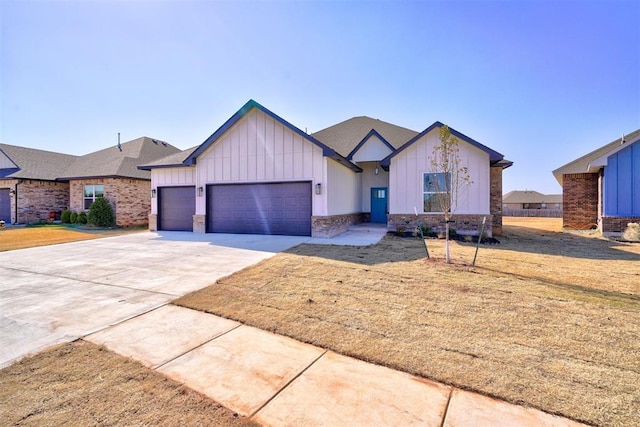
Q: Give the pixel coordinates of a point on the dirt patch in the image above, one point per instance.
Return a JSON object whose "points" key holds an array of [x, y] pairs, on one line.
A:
{"points": [[83, 384], [546, 319], [12, 238]]}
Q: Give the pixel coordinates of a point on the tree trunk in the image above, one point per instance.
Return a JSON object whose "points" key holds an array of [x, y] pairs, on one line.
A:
{"points": [[447, 255]]}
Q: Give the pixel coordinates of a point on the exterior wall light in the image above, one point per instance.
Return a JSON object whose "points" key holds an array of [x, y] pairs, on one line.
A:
{"points": [[200, 191], [376, 171], [153, 192], [318, 188]]}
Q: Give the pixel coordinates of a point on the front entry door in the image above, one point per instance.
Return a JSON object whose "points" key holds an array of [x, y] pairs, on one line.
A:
{"points": [[379, 205]]}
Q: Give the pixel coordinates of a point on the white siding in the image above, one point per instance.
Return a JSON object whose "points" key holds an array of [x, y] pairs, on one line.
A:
{"points": [[371, 151], [407, 168], [370, 180], [171, 177], [343, 189], [260, 149]]}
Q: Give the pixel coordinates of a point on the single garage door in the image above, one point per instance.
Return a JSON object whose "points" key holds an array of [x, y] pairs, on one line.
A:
{"points": [[176, 207], [5, 205], [274, 208]]}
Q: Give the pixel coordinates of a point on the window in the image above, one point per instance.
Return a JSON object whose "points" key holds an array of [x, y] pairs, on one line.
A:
{"points": [[91, 193], [434, 190]]}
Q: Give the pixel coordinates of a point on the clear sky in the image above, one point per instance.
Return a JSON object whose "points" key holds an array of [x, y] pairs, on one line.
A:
{"points": [[542, 82]]}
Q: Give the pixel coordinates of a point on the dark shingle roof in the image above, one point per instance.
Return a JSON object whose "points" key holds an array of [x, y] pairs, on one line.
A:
{"points": [[173, 160], [121, 162], [529, 196], [581, 164], [345, 136], [35, 164]]}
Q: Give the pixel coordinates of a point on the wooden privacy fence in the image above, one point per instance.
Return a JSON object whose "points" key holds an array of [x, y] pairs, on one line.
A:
{"points": [[548, 213]]}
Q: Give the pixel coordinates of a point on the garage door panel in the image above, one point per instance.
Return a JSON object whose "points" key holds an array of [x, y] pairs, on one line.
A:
{"points": [[5, 205], [273, 208], [176, 207]]}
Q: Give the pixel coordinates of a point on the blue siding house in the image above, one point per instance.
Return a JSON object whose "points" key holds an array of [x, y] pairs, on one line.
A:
{"points": [[602, 188]]}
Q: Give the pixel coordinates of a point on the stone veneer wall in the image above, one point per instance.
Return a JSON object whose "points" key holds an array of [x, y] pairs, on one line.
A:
{"points": [[615, 225], [580, 201], [130, 198], [329, 226], [464, 224], [495, 199], [36, 199]]}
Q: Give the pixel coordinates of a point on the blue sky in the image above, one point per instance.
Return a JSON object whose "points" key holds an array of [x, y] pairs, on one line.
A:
{"points": [[542, 82]]}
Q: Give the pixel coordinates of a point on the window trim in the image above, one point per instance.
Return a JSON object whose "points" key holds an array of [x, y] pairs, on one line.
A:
{"points": [[425, 192], [93, 196]]}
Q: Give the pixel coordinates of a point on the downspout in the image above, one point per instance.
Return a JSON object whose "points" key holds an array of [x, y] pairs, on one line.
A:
{"points": [[15, 195]]}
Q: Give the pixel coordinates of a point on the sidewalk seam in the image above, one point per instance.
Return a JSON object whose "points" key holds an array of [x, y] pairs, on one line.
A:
{"points": [[446, 407], [155, 368], [288, 383]]}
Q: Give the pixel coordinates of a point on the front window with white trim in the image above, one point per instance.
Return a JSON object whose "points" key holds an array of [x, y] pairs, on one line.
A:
{"points": [[434, 191], [91, 193]]}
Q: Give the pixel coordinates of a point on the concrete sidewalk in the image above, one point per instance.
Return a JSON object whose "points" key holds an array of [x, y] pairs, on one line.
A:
{"points": [[278, 381]]}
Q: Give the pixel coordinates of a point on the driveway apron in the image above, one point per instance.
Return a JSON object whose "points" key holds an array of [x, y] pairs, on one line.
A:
{"points": [[55, 294]]}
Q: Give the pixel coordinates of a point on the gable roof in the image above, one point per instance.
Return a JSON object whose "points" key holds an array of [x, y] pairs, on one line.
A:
{"points": [[242, 112], [120, 161], [35, 164], [530, 196], [371, 133], [495, 158], [582, 164], [345, 137]]}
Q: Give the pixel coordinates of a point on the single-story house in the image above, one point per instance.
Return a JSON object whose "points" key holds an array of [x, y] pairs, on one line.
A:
{"points": [[35, 183], [260, 174], [602, 188], [529, 199]]}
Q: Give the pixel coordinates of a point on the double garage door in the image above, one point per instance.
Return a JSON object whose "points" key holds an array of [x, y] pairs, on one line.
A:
{"points": [[270, 208]]}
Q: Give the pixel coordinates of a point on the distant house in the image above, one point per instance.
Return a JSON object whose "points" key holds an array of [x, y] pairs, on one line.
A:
{"points": [[515, 201], [260, 174], [35, 183], [602, 188]]}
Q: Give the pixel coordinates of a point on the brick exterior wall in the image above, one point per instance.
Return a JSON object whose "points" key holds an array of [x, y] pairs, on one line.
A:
{"points": [[130, 198], [36, 199], [612, 226], [464, 224], [329, 226], [495, 199], [580, 201]]}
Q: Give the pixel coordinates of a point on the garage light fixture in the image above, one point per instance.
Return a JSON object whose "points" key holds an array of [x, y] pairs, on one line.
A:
{"points": [[318, 188], [200, 191], [153, 192]]}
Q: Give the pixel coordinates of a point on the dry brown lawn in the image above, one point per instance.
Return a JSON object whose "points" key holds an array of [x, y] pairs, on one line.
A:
{"points": [[545, 319], [82, 384], [12, 238]]}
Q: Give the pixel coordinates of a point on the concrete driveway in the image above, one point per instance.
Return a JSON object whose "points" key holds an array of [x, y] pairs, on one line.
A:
{"points": [[55, 294]]}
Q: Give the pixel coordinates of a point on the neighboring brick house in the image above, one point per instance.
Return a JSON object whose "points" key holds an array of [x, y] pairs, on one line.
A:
{"points": [[260, 174], [35, 183], [602, 188]]}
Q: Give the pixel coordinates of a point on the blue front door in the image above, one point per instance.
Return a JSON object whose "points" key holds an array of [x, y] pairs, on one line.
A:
{"points": [[379, 204]]}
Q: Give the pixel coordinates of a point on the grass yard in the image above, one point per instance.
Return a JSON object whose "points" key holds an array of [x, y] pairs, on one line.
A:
{"points": [[82, 384], [545, 319], [12, 238]]}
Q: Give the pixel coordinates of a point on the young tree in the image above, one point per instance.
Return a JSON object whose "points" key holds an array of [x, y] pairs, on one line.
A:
{"points": [[448, 177]]}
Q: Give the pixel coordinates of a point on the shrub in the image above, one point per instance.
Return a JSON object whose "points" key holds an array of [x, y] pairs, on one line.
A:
{"points": [[82, 218], [65, 216], [101, 213], [632, 232], [73, 218]]}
